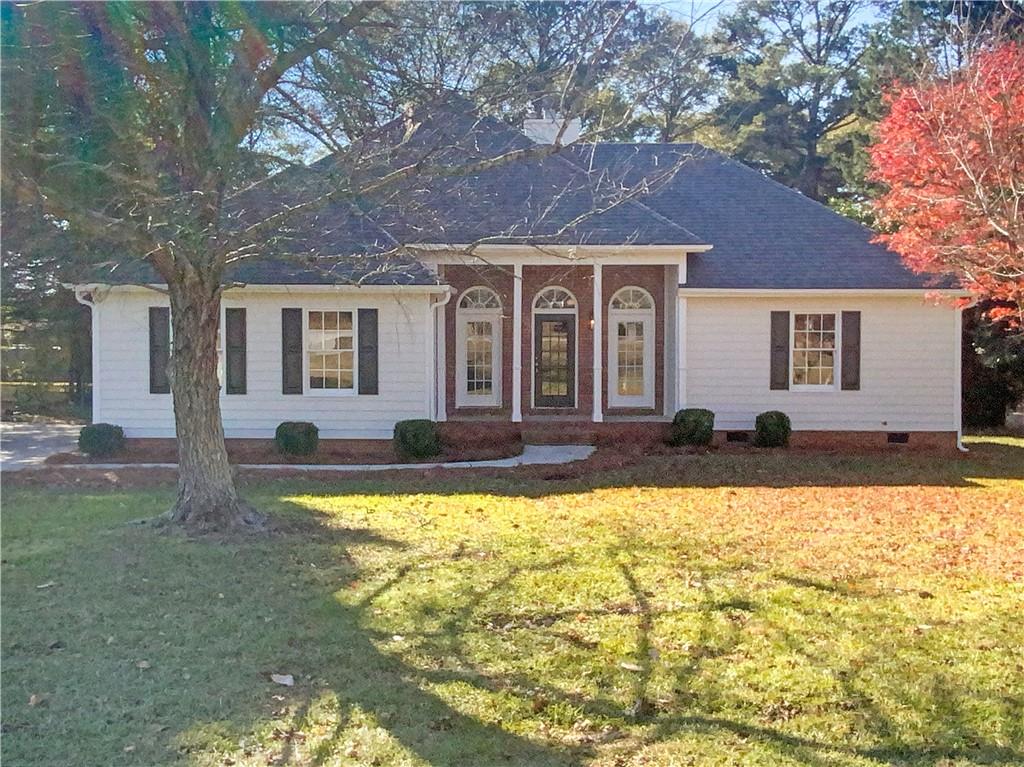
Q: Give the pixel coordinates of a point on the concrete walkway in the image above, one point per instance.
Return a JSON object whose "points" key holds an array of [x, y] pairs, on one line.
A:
{"points": [[532, 455], [26, 445]]}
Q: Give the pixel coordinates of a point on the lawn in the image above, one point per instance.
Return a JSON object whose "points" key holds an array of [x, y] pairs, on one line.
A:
{"points": [[765, 609]]}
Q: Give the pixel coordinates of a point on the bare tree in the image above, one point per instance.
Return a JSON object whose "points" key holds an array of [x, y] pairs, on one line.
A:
{"points": [[138, 142]]}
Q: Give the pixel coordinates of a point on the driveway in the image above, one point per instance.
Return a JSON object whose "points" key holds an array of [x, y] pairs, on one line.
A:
{"points": [[26, 445]]}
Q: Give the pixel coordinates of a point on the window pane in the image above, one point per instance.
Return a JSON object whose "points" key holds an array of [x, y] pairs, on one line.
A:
{"points": [[814, 340], [479, 362], [630, 359], [330, 344]]}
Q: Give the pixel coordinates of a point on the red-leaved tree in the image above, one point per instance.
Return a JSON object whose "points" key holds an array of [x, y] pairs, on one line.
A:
{"points": [[951, 153]]}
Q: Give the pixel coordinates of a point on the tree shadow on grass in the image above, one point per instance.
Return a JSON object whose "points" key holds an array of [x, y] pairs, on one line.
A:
{"points": [[382, 706], [213, 620]]}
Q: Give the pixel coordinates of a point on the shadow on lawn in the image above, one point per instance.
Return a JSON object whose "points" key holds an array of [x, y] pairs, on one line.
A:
{"points": [[345, 660], [344, 657]]}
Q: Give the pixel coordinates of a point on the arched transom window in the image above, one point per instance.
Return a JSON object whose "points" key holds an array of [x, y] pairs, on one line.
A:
{"points": [[478, 354], [631, 348], [479, 298], [632, 298], [555, 298]]}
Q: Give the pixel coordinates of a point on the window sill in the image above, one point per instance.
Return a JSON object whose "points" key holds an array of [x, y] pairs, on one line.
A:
{"points": [[813, 387]]}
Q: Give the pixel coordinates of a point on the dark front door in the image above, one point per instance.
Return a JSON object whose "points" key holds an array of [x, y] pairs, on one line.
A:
{"points": [[554, 360]]}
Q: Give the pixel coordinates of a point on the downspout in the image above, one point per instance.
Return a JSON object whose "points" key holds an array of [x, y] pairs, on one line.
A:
{"points": [[958, 393], [88, 298], [440, 342]]}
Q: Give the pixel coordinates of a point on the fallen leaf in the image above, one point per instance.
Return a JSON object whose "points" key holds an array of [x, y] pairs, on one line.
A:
{"points": [[35, 699], [286, 679], [630, 667]]}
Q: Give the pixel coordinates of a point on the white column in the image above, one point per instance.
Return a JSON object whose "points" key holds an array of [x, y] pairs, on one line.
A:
{"points": [[670, 307], [598, 335], [441, 373], [517, 344], [681, 349]]}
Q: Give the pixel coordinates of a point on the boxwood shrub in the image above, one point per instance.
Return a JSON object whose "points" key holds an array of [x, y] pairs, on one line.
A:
{"points": [[692, 426], [101, 439], [771, 429], [417, 438], [297, 438]]}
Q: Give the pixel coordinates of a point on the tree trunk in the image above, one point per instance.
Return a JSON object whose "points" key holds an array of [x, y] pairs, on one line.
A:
{"points": [[207, 499]]}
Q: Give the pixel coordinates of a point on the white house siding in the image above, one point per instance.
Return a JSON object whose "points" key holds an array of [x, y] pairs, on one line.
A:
{"points": [[121, 391], [908, 364]]}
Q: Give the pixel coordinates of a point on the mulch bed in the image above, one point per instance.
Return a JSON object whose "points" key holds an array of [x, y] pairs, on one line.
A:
{"points": [[327, 454]]}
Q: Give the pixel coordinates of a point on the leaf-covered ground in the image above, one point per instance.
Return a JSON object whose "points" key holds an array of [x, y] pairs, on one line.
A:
{"points": [[763, 609]]}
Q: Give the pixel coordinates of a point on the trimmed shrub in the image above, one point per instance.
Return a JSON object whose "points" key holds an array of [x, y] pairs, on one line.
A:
{"points": [[692, 426], [297, 438], [772, 429], [101, 439], [417, 438]]}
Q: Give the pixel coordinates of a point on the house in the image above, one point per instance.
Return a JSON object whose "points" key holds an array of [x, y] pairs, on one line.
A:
{"points": [[606, 285]]}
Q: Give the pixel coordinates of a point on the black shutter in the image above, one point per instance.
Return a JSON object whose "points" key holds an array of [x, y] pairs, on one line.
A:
{"points": [[850, 354], [291, 351], [159, 349], [368, 351], [234, 351], [780, 350]]}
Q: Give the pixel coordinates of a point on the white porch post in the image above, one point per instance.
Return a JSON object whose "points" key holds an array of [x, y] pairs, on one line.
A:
{"points": [[517, 343], [441, 370], [681, 342], [598, 335]]}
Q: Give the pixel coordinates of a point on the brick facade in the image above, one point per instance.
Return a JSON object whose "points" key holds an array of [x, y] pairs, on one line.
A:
{"points": [[579, 280]]}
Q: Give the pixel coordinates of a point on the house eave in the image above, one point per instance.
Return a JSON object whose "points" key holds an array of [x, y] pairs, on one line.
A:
{"points": [[506, 254], [777, 292], [275, 288]]}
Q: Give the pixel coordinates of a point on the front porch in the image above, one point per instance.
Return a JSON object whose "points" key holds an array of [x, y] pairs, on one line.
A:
{"points": [[558, 340]]}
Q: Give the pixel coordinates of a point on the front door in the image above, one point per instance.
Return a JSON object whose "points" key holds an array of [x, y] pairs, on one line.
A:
{"points": [[554, 360]]}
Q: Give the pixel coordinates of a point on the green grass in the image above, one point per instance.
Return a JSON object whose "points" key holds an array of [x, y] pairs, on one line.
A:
{"points": [[768, 609]]}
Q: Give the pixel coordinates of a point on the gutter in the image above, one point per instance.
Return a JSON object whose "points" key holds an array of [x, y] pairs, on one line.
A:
{"points": [[277, 288]]}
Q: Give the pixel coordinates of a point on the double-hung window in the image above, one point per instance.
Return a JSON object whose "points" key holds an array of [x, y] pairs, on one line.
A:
{"points": [[814, 350], [330, 351]]}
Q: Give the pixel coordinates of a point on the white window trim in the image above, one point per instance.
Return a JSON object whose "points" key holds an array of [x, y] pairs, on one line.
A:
{"points": [[306, 390], [647, 316], [462, 318], [575, 312], [836, 352]]}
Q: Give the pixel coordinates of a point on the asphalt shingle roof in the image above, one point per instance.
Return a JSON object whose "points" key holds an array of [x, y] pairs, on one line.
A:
{"points": [[764, 235]]}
